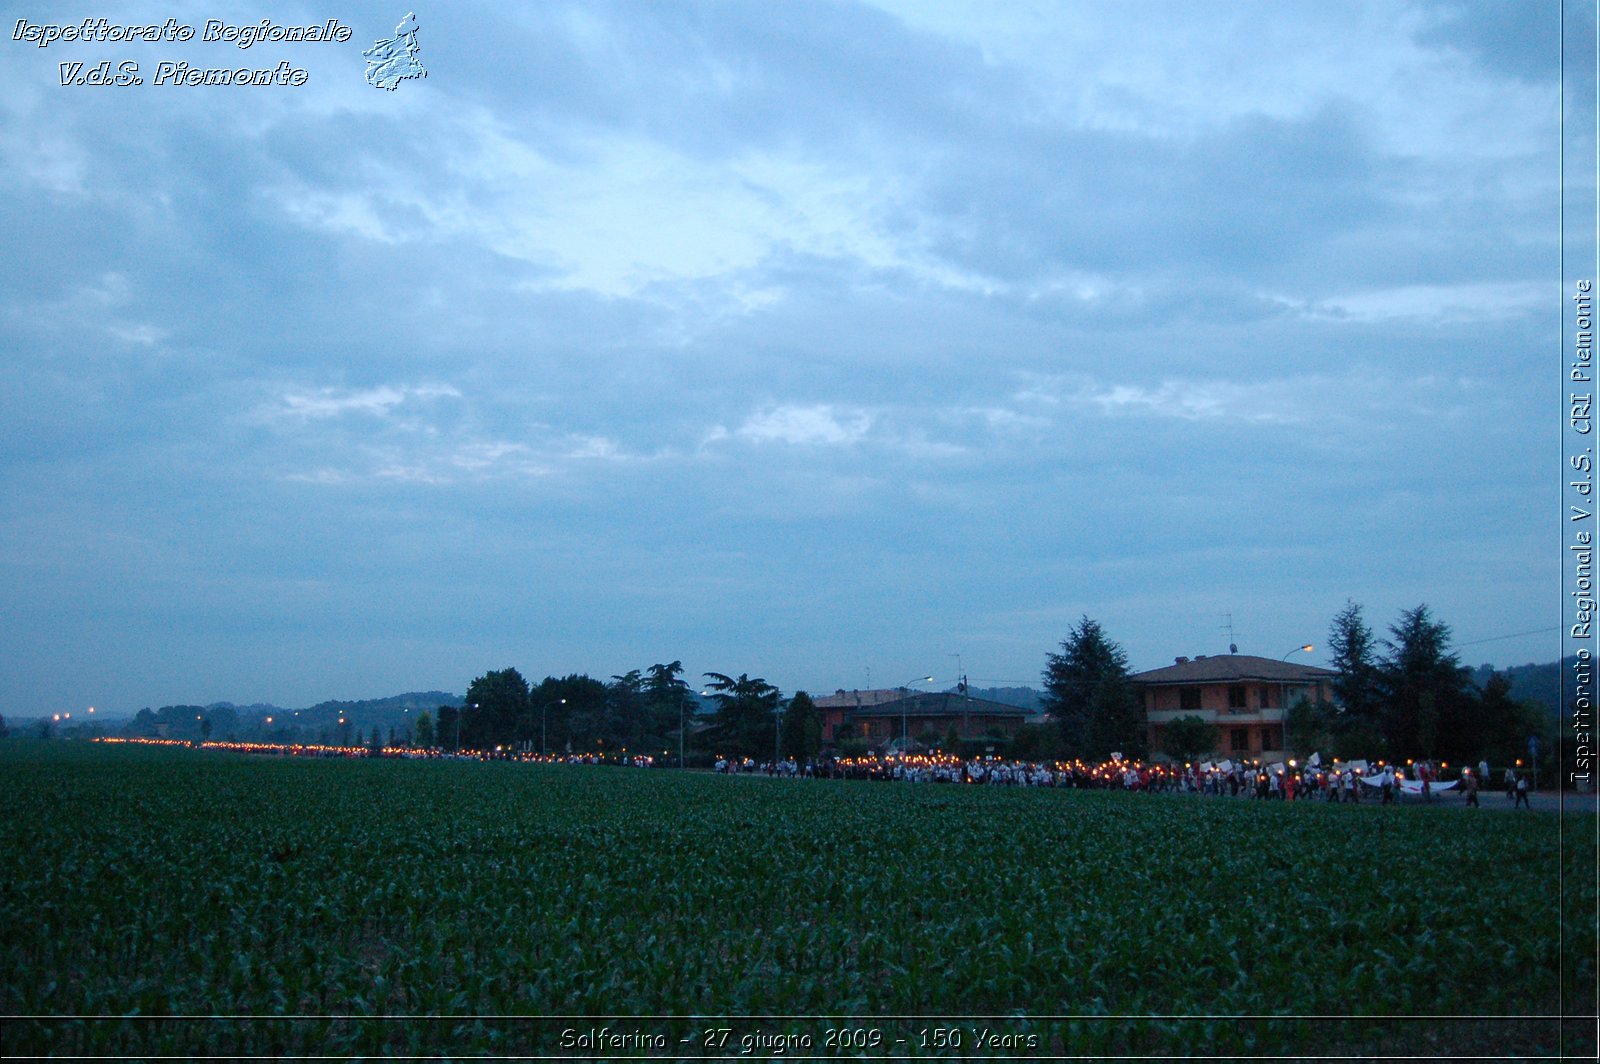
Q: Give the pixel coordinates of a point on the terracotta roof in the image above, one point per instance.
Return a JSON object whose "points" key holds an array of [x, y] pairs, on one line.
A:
{"points": [[1230, 668], [853, 699], [941, 704]]}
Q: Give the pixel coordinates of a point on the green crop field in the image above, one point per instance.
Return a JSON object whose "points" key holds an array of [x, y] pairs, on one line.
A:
{"points": [[163, 902]]}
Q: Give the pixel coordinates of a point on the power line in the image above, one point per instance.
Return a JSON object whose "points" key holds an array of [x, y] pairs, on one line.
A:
{"points": [[1513, 635]]}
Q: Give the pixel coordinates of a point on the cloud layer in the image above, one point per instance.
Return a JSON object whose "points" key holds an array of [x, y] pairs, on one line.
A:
{"points": [[795, 341]]}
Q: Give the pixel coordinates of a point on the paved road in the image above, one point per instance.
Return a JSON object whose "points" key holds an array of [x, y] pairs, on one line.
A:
{"points": [[1490, 801], [1539, 801]]}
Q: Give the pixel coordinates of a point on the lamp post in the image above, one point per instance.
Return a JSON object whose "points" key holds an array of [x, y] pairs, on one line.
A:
{"points": [[966, 696], [1283, 694], [544, 711], [905, 739]]}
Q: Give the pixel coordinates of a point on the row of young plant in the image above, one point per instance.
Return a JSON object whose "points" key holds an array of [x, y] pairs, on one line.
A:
{"points": [[145, 884]]}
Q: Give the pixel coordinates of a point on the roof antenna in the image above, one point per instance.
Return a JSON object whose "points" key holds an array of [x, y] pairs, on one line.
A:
{"points": [[1233, 648]]}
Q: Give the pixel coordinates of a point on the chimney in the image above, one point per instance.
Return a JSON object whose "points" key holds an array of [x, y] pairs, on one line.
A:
{"points": [[1180, 661], [1199, 657]]}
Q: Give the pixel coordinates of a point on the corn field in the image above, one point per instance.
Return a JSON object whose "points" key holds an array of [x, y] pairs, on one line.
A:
{"points": [[162, 902]]}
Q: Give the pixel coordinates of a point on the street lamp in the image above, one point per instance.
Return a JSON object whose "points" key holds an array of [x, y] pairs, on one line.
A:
{"points": [[905, 740], [1283, 692]]}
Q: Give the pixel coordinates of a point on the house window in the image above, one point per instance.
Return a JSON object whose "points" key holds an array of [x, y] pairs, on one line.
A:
{"points": [[1269, 738], [1266, 696], [1236, 696], [1188, 698], [1241, 741]]}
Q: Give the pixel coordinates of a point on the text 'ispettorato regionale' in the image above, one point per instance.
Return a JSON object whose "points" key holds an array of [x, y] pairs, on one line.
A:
{"points": [[178, 72]]}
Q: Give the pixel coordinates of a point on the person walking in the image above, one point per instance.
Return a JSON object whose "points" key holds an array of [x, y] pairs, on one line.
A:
{"points": [[1522, 793], [1472, 790]]}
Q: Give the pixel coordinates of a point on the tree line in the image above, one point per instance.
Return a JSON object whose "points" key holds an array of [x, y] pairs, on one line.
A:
{"points": [[1408, 696], [652, 712], [1403, 697]]}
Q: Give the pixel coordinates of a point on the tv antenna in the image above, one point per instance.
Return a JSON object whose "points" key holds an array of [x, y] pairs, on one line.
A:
{"points": [[1227, 625]]}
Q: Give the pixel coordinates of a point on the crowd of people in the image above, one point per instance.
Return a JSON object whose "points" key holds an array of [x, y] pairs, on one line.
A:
{"points": [[1354, 781]]}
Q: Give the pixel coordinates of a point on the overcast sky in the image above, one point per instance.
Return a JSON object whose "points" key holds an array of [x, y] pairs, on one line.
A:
{"points": [[797, 339]]}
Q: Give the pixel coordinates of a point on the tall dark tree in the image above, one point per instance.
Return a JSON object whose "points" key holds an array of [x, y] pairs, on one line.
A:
{"points": [[625, 722], [1308, 728], [1427, 694], [568, 714], [1358, 689], [1495, 725], [746, 715], [497, 702], [1501, 726], [667, 699], [449, 727], [802, 728], [424, 730], [1116, 721], [1086, 691]]}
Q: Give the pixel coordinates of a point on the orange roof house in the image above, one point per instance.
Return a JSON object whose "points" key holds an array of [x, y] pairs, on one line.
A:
{"points": [[1243, 696]]}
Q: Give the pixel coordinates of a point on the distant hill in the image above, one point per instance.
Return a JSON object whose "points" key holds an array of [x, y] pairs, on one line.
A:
{"points": [[318, 723], [411, 702], [396, 712], [1532, 683], [1024, 697]]}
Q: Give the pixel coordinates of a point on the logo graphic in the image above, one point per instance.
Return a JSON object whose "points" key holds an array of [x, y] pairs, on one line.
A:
{"points": [[392, 61]]}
